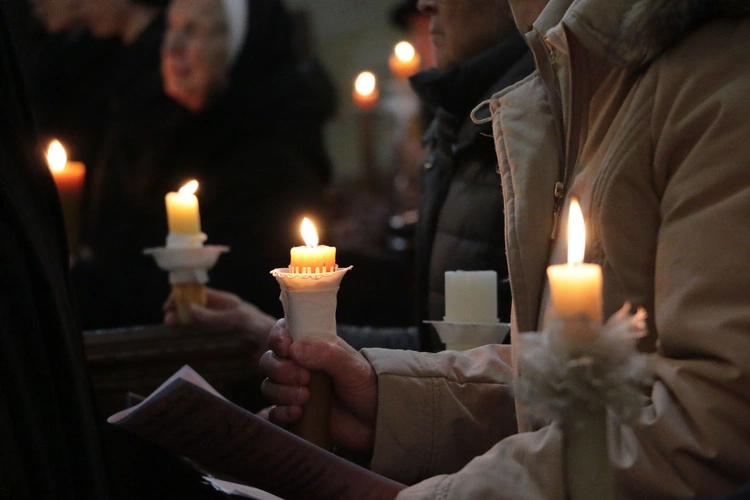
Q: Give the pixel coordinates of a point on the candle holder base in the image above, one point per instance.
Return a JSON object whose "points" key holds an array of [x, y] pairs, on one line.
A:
{"points": [[464, 336], [188, 273]]}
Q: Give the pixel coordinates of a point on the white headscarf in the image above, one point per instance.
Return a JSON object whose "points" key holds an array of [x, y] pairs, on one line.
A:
{"points": [[236, 13]]}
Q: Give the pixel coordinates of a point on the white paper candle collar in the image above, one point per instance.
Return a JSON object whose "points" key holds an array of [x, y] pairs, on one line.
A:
{"points": [[236, 12]]}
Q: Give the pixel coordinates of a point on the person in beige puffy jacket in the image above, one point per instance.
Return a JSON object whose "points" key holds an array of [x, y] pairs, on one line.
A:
{"points": [[639, 108]]}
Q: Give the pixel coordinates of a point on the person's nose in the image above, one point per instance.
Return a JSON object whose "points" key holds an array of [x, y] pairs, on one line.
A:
{"points": [[427, 7], [174, 41]]}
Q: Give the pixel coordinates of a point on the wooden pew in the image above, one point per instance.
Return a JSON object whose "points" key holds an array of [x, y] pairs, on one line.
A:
{"points": [[138, 359]]}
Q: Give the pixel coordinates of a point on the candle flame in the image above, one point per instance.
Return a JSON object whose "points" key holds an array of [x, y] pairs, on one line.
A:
{"points": [[576, 234], [309, 234], [365, 83], [56, 157], [404, 51], [189, 188]]}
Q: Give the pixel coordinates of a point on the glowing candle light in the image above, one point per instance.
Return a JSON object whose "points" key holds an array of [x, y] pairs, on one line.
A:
{"points": [[575, 287], [365, 92], [69, 177], [183, 214], [404, 61], [312, 258]]}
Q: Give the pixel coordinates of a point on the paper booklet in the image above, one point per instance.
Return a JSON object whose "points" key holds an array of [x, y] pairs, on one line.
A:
{"points": [[187, 416]]}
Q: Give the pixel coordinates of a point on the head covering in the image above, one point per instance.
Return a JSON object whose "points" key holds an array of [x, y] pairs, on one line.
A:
{"points": [[236, 13]]}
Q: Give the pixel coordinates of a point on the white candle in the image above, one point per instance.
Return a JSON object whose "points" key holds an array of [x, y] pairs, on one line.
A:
{"points": [[471, 297]]}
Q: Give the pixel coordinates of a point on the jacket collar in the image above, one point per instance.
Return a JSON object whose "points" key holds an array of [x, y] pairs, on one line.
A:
{"points": [[632, 33], [459, 89]]}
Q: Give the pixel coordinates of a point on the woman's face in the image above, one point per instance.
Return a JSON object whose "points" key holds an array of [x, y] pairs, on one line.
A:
{"points": [[57, 15], [194, 55], [104, 18]]}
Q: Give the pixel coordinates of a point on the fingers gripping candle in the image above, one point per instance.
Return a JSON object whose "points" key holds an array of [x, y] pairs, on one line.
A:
{"points": [[308, 294]]}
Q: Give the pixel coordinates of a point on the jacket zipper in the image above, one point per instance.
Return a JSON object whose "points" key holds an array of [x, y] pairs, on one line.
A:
{"points": [[559, 189]]}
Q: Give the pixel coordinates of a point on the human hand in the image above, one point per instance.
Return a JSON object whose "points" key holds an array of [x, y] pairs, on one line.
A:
{"points": [[225, 312], [355, 393]]}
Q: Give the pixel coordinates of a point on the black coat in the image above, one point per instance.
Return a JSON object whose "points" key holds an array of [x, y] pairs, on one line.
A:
{"points": [[461, 200], [49, 445], [461, 223], [118, 285]]}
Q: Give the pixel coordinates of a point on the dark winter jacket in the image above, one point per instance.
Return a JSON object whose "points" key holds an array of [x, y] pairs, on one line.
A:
{"points": [[49, 446], [461, 201], [461, 204]]}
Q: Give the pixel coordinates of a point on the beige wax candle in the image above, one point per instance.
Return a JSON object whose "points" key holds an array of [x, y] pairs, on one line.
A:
{"points": [[575, 287], [404, 61], [365, 93], [576, 292], [183, 215], [69, 177], [312, 258]]}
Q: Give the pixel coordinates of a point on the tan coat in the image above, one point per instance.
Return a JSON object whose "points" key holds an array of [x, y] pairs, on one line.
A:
{"points": [[655, 142]]}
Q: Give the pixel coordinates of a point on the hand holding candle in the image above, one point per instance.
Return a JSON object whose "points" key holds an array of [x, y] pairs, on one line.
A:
{"points": [[69, 177], [308, 293]]}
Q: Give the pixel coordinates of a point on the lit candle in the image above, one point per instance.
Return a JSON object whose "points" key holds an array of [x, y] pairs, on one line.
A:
{"points": [[575, 287], [576, 292], [365, 93], [404, 61], [69, 177], [471, 297], [312, 258], [183, 215]]}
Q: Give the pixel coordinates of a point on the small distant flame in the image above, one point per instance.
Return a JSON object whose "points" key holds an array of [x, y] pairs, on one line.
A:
{"points": [[189, 188], [365, 83], [56, 157], [309, 234], [404, 51]]}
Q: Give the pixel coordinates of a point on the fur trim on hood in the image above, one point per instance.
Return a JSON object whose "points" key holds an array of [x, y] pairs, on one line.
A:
{"points": [[651, 27]]}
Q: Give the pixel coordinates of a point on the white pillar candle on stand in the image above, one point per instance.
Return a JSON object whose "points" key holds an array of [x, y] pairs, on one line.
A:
{"points": [[471, 297]]}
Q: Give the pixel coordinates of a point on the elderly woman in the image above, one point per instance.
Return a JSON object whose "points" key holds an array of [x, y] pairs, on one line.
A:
{"points": [[254, 138]]}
